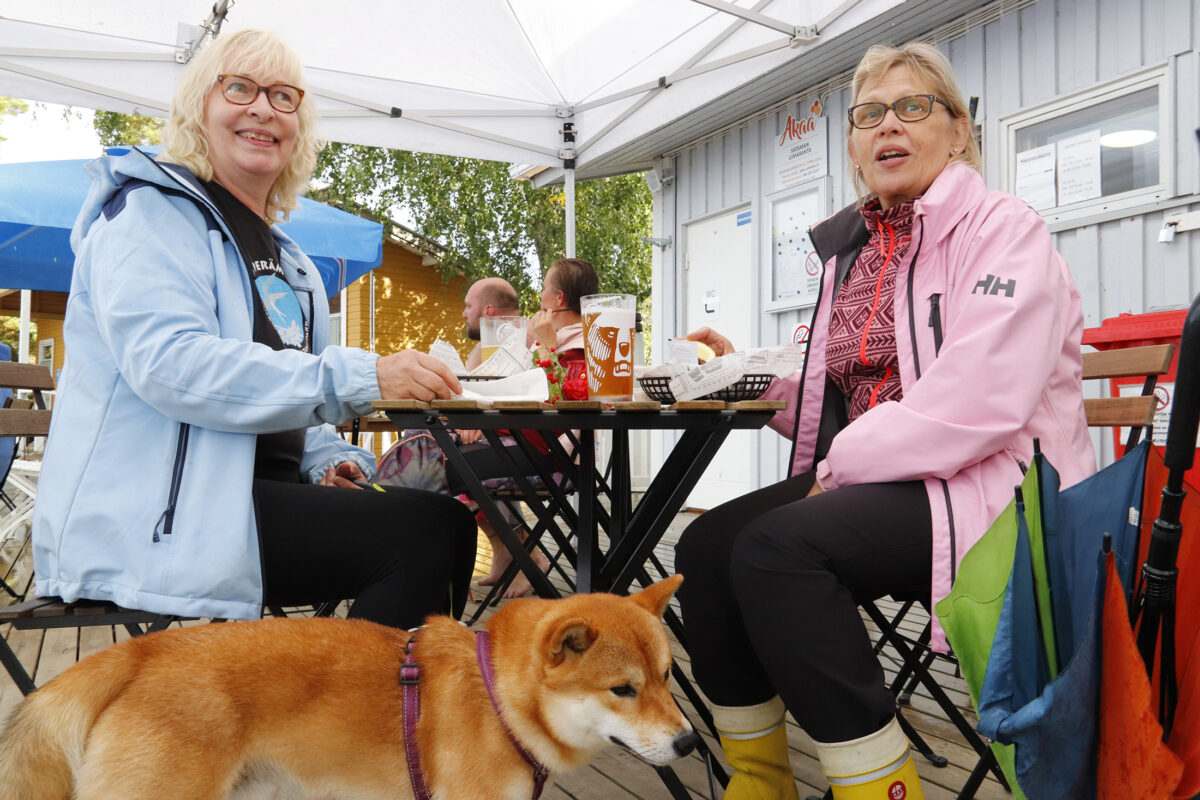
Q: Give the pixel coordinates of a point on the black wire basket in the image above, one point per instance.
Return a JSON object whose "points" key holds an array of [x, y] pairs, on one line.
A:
{"points": [[748, 387]]}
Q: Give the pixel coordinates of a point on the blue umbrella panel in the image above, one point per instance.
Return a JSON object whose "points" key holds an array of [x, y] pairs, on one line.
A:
{"points": [[39, 201]]}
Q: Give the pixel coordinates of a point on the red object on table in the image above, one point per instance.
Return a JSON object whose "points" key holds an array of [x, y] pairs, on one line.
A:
{"points": [[575, 383]]}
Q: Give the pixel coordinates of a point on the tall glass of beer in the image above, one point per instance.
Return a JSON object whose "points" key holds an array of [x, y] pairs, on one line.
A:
{"points": [[495, 331], [608, 330]]}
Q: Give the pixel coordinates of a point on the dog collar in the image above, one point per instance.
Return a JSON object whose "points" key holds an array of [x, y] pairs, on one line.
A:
{"points": [[483, 654]]}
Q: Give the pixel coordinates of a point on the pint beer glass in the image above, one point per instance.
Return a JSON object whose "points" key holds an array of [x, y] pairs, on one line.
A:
{"points": [[608, 328], [495, 331]]}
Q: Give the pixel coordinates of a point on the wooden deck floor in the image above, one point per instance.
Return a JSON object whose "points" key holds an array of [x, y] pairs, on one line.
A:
{"points": [[615, 775]]}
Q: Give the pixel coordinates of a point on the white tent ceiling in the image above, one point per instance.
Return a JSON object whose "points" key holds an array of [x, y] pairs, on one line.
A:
{"points": [[489, 79]]}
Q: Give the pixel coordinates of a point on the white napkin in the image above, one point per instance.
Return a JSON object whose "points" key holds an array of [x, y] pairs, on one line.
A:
{"points": [[527, 385]]}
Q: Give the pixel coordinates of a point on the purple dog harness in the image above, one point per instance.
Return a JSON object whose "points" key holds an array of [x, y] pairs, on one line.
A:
{"points": [[410, 676]]}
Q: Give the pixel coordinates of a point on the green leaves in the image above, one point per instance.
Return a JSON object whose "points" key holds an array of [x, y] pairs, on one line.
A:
{"points": [[11, 106], [491, 224], [114, 128]]}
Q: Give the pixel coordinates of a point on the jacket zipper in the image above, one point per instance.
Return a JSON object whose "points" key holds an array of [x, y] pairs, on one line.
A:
{"points": [[167, 520], [935, 322]]}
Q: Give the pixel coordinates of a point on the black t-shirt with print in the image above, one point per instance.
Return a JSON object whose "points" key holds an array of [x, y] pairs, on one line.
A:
{"points": [[279, 322]]}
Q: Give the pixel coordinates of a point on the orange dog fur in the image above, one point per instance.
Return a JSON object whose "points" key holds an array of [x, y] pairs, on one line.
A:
{"points": [[294, 708]]}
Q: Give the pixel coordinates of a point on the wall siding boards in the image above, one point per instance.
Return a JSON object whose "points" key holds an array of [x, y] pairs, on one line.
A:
{"points": [[1022, 59]]}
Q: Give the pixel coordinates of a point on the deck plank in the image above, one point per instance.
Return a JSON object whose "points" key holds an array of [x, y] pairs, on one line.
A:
{"points": [[615, 774]]}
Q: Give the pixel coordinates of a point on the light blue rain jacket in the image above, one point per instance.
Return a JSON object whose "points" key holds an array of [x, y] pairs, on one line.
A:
{"points": [[144, 497]]}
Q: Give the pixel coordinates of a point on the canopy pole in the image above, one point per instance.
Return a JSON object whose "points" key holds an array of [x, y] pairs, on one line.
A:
{"points": [[570, 190], [569, 183], [23, 335]]}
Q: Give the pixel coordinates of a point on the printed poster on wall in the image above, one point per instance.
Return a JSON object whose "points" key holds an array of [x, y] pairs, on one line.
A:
{"points": [[795, 267], [801, 149], [1079, 168], [1036, 177]]}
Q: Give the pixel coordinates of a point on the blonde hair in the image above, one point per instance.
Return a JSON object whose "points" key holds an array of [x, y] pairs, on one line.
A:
{"points": [[240, 53], [929, 68]]}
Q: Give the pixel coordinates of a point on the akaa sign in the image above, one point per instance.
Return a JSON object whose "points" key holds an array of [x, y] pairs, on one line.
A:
{"points": [[801, 151]]}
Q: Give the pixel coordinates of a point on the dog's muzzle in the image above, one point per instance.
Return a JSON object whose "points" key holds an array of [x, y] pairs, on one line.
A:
{"points": [[685, 742]]}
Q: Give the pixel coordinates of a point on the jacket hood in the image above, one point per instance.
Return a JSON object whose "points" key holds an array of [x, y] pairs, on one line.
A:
{"points": [[110, 173]]}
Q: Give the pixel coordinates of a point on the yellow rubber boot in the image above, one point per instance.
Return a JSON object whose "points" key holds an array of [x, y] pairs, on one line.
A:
{"points": [[754, 739], [876, 767]]}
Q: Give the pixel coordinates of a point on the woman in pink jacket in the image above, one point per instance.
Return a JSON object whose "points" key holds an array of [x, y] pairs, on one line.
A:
{"points": [[945, 340]]}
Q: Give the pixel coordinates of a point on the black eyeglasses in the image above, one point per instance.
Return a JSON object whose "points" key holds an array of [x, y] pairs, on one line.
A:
{"points": [[908, 109], [241, 91]]}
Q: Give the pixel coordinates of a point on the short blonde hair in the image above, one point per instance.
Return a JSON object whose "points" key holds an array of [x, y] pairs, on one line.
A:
{"points": [[240, 53], [927, 66]]}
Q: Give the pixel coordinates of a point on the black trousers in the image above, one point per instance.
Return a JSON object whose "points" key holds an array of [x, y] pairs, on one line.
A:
{"points": [[401, 554], [770, 591]]}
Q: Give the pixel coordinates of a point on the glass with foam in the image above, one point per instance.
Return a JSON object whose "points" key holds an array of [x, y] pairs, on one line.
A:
{"points": [[609, 321]]}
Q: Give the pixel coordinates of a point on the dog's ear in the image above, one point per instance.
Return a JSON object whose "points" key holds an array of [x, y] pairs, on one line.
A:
{"points": [[572, 635], [654, 598]]}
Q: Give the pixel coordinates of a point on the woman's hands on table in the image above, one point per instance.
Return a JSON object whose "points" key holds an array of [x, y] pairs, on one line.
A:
{"points": [[412, 375], [469, 437]]}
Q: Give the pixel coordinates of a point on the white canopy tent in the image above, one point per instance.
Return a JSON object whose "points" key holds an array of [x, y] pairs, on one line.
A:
{"points": [[552, 86]]}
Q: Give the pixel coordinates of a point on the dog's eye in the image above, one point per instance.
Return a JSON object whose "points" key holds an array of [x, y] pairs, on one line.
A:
{"points": [[624, 690], [667, 676]]}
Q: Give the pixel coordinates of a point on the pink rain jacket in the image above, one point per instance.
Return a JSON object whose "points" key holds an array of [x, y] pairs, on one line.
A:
{"points": [[988, 326]]}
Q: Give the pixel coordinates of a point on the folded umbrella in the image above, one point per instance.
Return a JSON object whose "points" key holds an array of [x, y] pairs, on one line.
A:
{"points": [[1133, 761], [1045, 618], [1185, 733], [970, 613]]}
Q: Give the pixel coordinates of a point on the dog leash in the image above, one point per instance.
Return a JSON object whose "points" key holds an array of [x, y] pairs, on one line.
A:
{"points": [[410, 677], [483, 654]]}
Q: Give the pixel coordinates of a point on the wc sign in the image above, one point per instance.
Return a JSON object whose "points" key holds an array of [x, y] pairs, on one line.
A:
{"points": [[801, 147]]}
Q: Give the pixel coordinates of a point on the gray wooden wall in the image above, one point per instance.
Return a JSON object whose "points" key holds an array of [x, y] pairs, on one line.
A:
{"points": [[1021, 60]]}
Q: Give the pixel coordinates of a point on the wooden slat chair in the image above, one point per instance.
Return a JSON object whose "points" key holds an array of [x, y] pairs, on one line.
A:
{"points": [[916, 658], [51, 612]]}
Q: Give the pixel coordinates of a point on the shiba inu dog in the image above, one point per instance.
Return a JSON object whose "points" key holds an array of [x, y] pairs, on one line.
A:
{"points": [[298, 708]]}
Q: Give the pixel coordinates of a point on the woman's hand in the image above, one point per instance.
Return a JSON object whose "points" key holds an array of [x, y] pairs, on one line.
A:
{"points": [[343, 476], [542, 327], [469, 437], [719, 344], [412, 375]]}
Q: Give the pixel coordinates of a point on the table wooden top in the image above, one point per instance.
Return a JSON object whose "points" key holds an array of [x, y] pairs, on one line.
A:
{"points": [[567, 407]]}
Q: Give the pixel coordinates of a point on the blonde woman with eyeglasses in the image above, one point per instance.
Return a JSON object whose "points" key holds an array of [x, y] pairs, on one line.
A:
{"points": [[944, 342], [191, 468]]}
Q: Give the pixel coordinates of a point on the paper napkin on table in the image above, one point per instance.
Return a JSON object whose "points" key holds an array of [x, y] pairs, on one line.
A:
{"points": [[527, 385]]}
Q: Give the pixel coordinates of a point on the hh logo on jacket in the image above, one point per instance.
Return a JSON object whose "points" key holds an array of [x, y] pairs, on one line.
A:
{"points": [[990, 284]]}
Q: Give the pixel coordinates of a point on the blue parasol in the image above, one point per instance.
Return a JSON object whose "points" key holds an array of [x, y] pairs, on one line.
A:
{"points": [[40, 199]]}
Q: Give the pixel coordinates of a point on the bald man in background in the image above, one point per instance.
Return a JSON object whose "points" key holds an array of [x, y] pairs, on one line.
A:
{"points": [[490, 297]]}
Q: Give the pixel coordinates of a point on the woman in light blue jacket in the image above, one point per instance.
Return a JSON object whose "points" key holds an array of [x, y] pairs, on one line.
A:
{"points": [[191, 467]]}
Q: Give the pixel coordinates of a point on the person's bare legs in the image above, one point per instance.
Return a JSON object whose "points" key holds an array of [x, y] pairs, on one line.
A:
{"points": [[501, 559]]}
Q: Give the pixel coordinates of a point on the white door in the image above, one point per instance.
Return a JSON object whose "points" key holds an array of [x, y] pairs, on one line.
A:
{"points": [[718, 292]]}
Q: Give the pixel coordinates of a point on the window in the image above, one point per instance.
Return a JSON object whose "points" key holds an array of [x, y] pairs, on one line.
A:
{"points": [[335, 329], [1102, 150], [45, 350]]}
